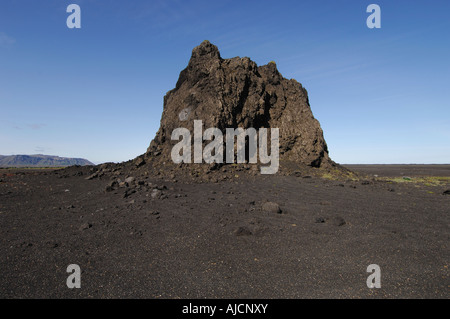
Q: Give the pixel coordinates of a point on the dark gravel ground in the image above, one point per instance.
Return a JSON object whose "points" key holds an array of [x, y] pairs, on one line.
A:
{"points": [[402, 170], [215, 240]]}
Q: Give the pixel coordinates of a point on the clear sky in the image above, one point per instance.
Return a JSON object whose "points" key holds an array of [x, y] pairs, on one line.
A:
{"points": [[381, 95]]}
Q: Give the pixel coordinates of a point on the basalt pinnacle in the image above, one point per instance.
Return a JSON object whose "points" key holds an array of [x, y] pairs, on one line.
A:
{"points": [[232, 93]]}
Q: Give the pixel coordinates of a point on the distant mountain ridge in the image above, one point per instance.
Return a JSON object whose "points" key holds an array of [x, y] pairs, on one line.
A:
{"points": [[40, 160]]}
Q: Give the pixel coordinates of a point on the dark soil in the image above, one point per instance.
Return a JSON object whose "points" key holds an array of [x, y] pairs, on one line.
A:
{"points": [[157, 238], [402, 170]]}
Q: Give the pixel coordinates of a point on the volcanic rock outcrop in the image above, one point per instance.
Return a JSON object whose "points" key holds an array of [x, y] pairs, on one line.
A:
{"points": [[232, 93]]}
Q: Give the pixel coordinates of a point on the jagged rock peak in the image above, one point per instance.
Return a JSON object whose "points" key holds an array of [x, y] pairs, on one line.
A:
{"points": [[205, 49], [235, 92]]}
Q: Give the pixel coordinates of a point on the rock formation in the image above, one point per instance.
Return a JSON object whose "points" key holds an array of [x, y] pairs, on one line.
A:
{"points": [[232, 93]]}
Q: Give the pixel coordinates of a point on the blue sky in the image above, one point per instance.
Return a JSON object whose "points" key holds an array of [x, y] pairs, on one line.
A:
{"points": [[381, 95]]}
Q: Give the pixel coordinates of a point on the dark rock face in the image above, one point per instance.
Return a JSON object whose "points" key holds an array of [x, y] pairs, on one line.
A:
{"points": [[232, 93]]}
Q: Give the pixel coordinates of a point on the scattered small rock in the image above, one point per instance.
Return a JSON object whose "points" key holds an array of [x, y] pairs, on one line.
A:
{"points": [[271, 207], [156, 193], [123, 184], [320, 220], [243, 231], [129, 180], [95, 175], [26, 244], [139, 162], [338, 221], [85, 226], [128, 192], [52, 244]]}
